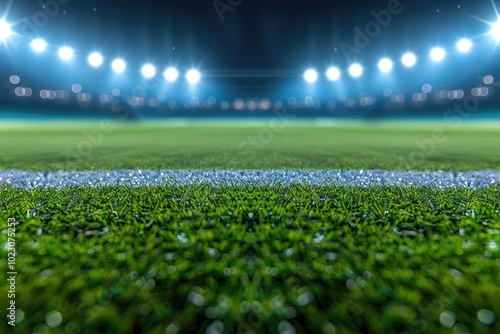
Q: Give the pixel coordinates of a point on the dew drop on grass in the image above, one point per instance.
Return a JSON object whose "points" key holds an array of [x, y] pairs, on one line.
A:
{"points": [[460, 329], [455, 273], [172, 329], [256, 307], [211, 312], [350, 284], [182, 238], [331, 256], [486, 317], [329, 328], [53, 319], [447, 319], [19, 315], [216, 327], [41, 329], [212, 252], [305, 298], [319, 238], [244, 307], [46, 273], [285, 327], [196, 298]]}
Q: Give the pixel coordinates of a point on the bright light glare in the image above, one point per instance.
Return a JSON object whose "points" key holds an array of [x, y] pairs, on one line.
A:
{"points": [[65, 53], [148, 71], [95, 59], [495, 31], [355, 70], [310, 76], [438, 54], [385, 65], [464, 45], [5, 30], [38, 45], [119, 65], [333, 74], [409, 59], [171, 74], [193, 76]]}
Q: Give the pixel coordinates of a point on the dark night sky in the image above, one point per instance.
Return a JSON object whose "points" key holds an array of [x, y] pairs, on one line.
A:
{"points": [[260, 49], [256, 34]]}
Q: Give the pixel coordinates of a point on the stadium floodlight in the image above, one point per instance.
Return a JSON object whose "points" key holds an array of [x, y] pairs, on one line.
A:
{"points": [[385, 65], [464, 45], [118, 65], [310, 76], [495, 31], [333, 74], [171, 74], [148, 71], [38, 45], [5, 30], [355, 70], [65, 53], [438, 54], [95, 59], [193, 76], [409, 59]]}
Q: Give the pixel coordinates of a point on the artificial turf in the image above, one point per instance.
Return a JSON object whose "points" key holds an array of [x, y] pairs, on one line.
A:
{"points": [[250, 259], [253, 259], [272, 144]]}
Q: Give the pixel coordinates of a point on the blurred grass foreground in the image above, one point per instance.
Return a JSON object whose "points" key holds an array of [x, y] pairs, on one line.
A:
{"points": [[267, 145]]}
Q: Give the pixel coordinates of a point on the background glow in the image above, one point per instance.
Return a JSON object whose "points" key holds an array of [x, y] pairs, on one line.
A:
{"points": [[355, 70], [38, 45], [66, 53], [438, 54], [171, 74], [5, 30], [409, 59], [385, 65], [310, 76], [148, 71], [495, 31], [333, 74], [464, 45], [193, 76], [95, 59], [118, 65]]}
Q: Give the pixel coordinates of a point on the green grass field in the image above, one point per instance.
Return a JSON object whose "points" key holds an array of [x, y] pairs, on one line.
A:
{"points": [[320, 259], [264, 146], [267, 259]]}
